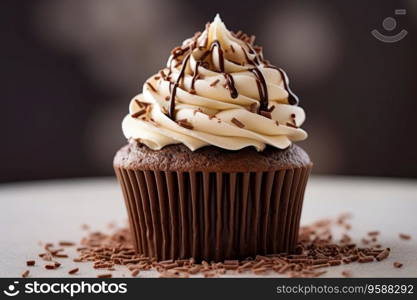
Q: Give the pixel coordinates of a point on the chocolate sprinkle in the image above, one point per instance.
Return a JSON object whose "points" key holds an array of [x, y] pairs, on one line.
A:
{"points": [[138, 113], [404, 236], [291, 125], [214, 83], [25, 274], [151, 87], [315, 253], [66, 243], [237, 123], [30, 263], [266, 114], [73, 271], [184, 123]]}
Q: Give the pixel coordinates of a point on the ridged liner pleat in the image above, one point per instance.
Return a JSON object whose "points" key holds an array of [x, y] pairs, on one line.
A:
{"points": [[213, 216]]}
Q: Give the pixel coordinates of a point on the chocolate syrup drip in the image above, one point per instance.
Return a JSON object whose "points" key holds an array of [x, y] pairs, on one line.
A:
{"points": [[262, 88], [231, 85], [220, 51], [195, 75], [260, 80], [174, 89], [292, 98]]}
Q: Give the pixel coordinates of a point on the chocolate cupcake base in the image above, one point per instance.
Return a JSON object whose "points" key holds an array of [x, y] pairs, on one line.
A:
{"points": [[213, 215]]}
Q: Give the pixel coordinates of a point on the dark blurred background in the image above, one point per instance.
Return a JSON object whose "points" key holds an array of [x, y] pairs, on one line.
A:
{"points": [[69, 69]]}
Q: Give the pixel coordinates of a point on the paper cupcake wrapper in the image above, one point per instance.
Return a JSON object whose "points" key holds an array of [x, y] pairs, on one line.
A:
{"points": [[213, 216]]}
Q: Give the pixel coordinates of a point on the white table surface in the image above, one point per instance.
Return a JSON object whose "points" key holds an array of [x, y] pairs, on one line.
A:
{"points": [[50, 211]]}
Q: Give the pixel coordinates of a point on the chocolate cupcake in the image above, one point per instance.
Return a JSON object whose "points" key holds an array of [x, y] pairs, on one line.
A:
{"points": [[210, 170]]}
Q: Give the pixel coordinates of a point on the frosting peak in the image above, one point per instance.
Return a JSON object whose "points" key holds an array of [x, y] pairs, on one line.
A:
{"points": [[217, 89]]}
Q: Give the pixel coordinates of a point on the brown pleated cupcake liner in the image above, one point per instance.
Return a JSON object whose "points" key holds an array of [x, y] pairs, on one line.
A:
{"points": [[213, 216]]}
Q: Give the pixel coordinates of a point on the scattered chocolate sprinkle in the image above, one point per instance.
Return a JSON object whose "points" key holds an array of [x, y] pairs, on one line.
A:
{"points": [[151, 87], [25, 274], [231, 262], [253, 107], [138, 113], [57, 264], [277, 123], [293, 116], [167, 98], [319, 266], [184, 123], [48, 246], [30, 263], [291, 125], [66, 243], [73, 271], [397, 264], [209, 274], [108, 275], [404, 236], [346, 273], [383, 255], [156, 77], [162, 74], [45, 256], [233, 49], [140, 104], [346, 260], [50, 267], [315, 253], [237, 123], [214, 83], [259, 271], [58, 255], [373, 233], [366, 259], [266, 114], [335, 262]]}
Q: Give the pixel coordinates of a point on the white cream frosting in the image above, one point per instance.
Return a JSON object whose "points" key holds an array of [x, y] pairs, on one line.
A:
{"points": [[212, 116]]}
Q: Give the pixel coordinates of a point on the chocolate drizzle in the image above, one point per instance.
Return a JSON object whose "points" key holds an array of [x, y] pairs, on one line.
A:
{"points": [[231, 85], [220, 52], [174, 89], [249, 51], [292, 98], [195, 75], [260, 79], [262, 88]]}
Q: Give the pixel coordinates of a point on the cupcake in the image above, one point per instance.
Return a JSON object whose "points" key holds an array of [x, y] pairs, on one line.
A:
{"points": [[210, 170]]}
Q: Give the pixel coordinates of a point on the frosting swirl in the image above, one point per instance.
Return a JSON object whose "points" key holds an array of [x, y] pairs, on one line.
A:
{"points": [[217, 89]]}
